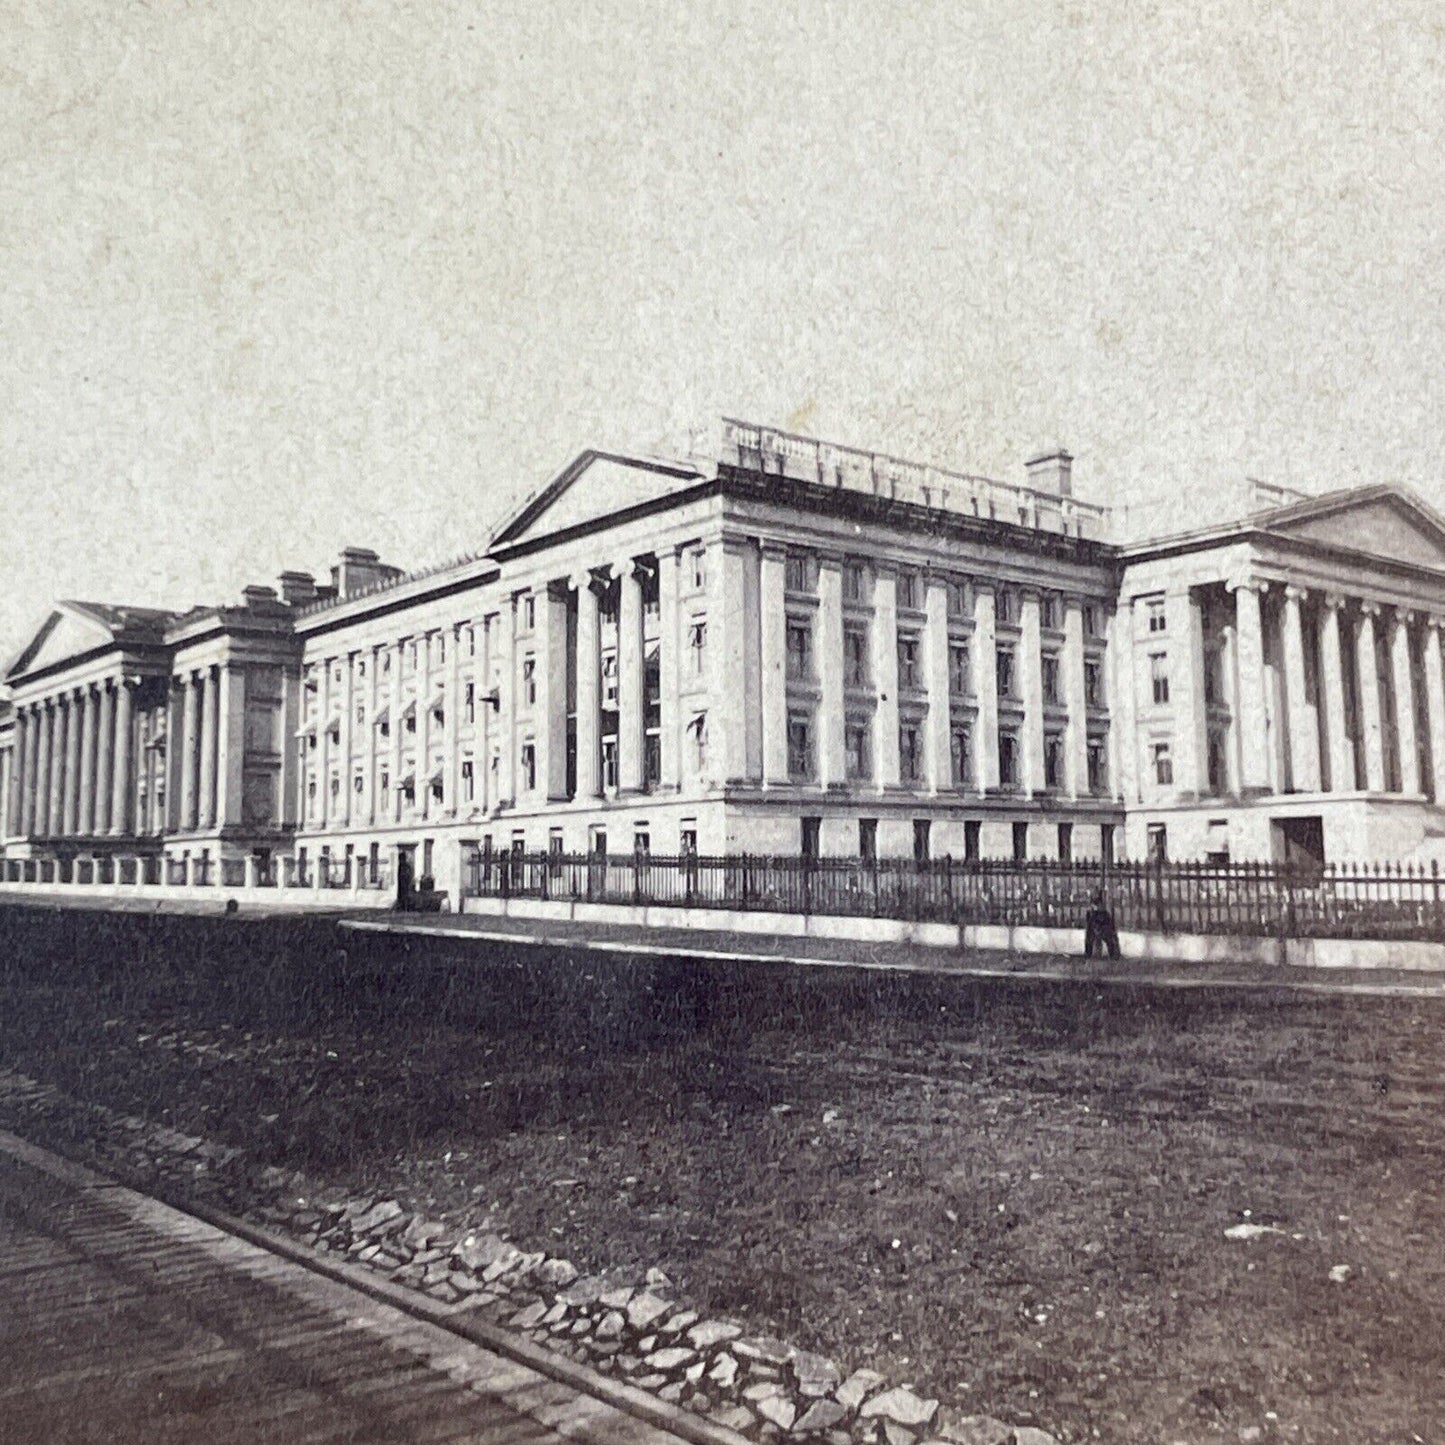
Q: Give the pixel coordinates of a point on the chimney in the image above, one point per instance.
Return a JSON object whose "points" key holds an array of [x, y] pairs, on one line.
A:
{"points": [[258, 598], [297, 588], [358, 569], [1052, 473]]}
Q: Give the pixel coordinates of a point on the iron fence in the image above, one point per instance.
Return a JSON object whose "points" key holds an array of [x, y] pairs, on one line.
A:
{"points": [[1404, 901]]}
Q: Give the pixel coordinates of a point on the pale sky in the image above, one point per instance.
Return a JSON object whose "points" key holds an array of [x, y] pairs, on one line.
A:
{"points": [[283, 276]]}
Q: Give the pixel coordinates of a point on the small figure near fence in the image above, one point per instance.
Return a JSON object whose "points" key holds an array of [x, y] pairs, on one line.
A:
{"points": [[1100, 934]]}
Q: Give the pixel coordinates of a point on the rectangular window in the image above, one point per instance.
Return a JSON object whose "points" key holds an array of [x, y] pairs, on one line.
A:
{"points": [[972, 829], [1049, 668], [1154, 609], [529, 766], [922, 831], [1163, 765], [609, 679], [1054, 760], [910, 753], [1159, 676], [529, 612], [441, 647], [908, 590], [1158, 843], [1005, 608], [1091, 620], [960, 744], [811, 830], [1093, 684], [796, 572], [1098, 766], [1049, 611], [651, 759], [469, 790], [857, 763], [800, 748], [697, 647], [697, 563], [609, 762], [1004, 668], [958, 678], [855, 656], [868, 839], [697, 744], [855, 581], [360, 713], [800, 652], [1066, 842], [1021, 843], [1008, 759], [641, 839], [909, 674], [687, 839], [529, 681], [957, 594]]}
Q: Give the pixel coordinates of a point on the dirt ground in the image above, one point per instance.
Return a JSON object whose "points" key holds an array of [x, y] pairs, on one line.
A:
{"points": [[1014, 1195]]}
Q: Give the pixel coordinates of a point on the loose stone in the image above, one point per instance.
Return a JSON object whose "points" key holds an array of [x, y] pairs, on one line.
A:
{"points": [[584, 1291], [712, 1332], [763, 1391], [724, 1371], [557, 1312], [672, 1358], [557, 1273], [616, 1299], [671, 1393], [971, 1429], [644, 1309], [612, 1325], [735, 1417], [815, 1375], [857, 1387], [678, 1322], [763, 1348], [780, 1410], [901, 1406], [1028, 1435], [895, 1434], [821, 1415], [527, 1318]]}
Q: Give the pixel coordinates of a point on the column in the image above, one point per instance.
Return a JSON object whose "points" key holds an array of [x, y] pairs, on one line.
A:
{"points": [[230, 744], [1304, 750], [1031, 687], [1341, 753], [1371, 727], [422, 794], [551, 713], [773, 651], [123, 750], [1253, 763], [393, 756], [45, 771], [323, 743], [883, 651], [669, 628], [293, 805], [985, 684], [1435, 706], [482, 729], [1403, 672], [189, 745], [938, 730], [1184, 622], [85, 816], [34, 720], [727, 665], [209, 736], [589, 776], [828, 661], [369, 740], [348, 715], [506, 636], [1076, 725], [72, 762], [629, 677], [104, 757], [452, 769], [7, 787], [19, 775]]}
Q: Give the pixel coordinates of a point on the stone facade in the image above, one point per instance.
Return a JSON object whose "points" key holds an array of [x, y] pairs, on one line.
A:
{"points": [[786, 646]]}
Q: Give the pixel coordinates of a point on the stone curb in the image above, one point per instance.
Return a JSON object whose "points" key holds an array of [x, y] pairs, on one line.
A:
{"points": [[680, 1422]]}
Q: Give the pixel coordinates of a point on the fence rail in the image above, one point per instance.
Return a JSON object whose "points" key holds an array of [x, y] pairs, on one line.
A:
{"points": [[1396, 901]]}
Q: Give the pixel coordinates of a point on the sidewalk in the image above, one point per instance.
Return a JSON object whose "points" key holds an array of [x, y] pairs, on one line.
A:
{"points": [[724, 947]]}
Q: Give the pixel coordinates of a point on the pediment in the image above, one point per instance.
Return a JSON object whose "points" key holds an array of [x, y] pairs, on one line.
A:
{"points": [[595, 486], [63, 635], [1392, 526]]}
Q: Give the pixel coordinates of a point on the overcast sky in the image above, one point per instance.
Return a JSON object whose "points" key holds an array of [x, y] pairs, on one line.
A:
{"points": [[283, 276]]}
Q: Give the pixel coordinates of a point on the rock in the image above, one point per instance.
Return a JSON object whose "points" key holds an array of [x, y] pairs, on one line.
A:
{"points": [[671, 1393], [675, 1324], [377, 1218], [700, 1402], [553, 1315], [420, 1232], [672, 1358], [821, 1415], [1250, 1231], [656, 1279], [764, 1348], [857, 1387], [735, 1417], [712, 1332], [896, 1435], [1339, 1273], [901, 1406], [694, 1371], [475, 1252], [612, 1325], [763, 1390], [724, 1371], [467, 1282], [1250, 1435], [647, 1344], [584, 1291], [971, 1429], [581, 1327], [650, 1381], [780, 1410], [616, 1299], [1027, 1435], [644, 1309], [815, 1375], [525, 1319], [557, 1273], [503, 1264]]}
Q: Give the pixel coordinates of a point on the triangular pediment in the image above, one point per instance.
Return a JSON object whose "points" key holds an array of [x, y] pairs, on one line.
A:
{"points": [[595, 486], [63, 634], [1383, 523]]}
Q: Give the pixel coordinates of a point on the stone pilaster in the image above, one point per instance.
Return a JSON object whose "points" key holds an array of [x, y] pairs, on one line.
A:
{"points": [[1253, 759], [506, 631], [1371, 721], [122, 797], [1184, 622], [629, 676], [210, 734], [883, 656], [828, 661], [422, 682], [1403, 678], [104, 757], [451, 745], [773, 652], [46, 803], [551, 711], [1304, 750], [347, 732], [72, 763], [395, 725], [669, 632], [938, 732], [589, 776], [190, 742], [1031, 687], [1435, 705], [89, 718], [230, 744], [1076, 725], [985, 684], [1340, 751]]}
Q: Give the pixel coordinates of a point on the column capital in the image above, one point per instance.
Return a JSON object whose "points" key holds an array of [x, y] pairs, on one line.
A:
{"points": [[1369, 607], [773, 550], [830, 559], [1433, 621], [1293, 593], [1332, 601], [1404, 616], [1247, 582]]}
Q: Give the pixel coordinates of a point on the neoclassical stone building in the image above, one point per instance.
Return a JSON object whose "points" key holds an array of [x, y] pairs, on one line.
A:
{"points": [[784, 646]]}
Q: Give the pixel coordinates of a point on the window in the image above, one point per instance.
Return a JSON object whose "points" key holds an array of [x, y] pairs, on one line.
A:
{"points": [[1054, 760], [958, 679], [972, 829], [1004, 668], [857, 764], [641, 840], [609, 762], [358, 783], [1158, 843], [697, 744], [855, 654], [441, 647], [599, 842], [957, 594], [609, 679], [908, 590], [1106, 844], [411, 654], [910, 753], [471, 642], [554, 842], [1091, 620], [385, 786], [1159, 676], [1066, 842], [687, 839], [1049, 668], [1098, 765], [335, 786], [652, 759], [411, 720], [469, 703], [1154, 610], [529, 766], [800, 651], [529, 681], [1005, 607], [469, 785], [922, 828], [1021, 843], [386, 663], [811, 830], [697, 568], [697, 647], [800, 748], [908, 671], [868, 839], [855, 581], [1163, 765], [1049, 611], [1093, 678], [1008, 759], [529, 612], [796, 572], [360, 712], [1218, 773], [960, 745]]}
